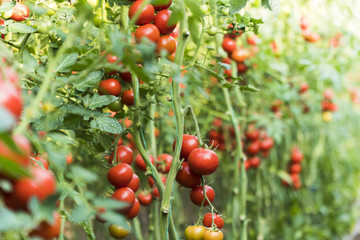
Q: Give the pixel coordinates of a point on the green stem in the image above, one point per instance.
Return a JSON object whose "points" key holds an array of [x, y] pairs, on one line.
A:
{"points": [[156, 206], [191, 110], [137, 229], [152, 130]]}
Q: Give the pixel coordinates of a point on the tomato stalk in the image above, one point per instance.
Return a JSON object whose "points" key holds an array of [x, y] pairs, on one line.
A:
{"points": [[137, 229], [192, 114]]}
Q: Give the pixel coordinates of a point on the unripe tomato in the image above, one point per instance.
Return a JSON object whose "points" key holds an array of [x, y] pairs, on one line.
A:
{"points": [[116, 106], [162, 22], [134, 183], [110, 86], [93, 3], [147, 12], [149, 31], [127, 97], [229, 45], [124, 154], [139, 162], [239, 55], [197, 195], [194, 233], [52, 7], [48, 230], [124, 194], [20, 12], [118, 232], [120, 175], [203, 161], [204, 9], [164, 162], [189, 143], [166, 43], [160, 5], [213, 235], [218, 221], [97, 20], [134, 211], [145, 199], [10, 98]]}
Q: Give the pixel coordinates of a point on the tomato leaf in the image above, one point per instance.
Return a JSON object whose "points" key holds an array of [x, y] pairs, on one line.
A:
{"points": [[21, 28], [11, 169], [81, 214], [30, 63], [194, 7], [90, 80], [6, 6], [66, 61], [13, 220], [273, 5], [107, 124], [96, 101], [249, 88], [194, 28], [237, 5]]}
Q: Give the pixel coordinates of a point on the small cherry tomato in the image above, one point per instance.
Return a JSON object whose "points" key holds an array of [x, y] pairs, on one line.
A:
{"points": [[20, 12], [218, 221], [134, 211], [213, 235], [120, 175], [295, 168], [229, 45], [118, 232], [149, 31], [145, 199], [254, 161], [110, 86], [160, 5], [197, 195], [124, 154], [189, 143], [267, 143], [116, 106], [203, 161], [253, 147], [134, 183], [166, 43], [212, 31], [194, 233], [42, 160], [296, 155], [127, 97], [124, 194], [147, 12], [10, 98], [162, 22], [239, 55], [164, 162], [139, 162]]}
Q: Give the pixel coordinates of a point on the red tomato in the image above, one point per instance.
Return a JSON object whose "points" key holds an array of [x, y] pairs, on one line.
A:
{"points": [[252, 134], [229, 45], [303, 87], [252, 40], [304, 23], [197, 195], [10, 98], [152, 182], [155, 193], [40, 185], [166, 43], [23, 144], [239, 55], [253, 147], [126, 195], [120, 175], [328, 93], [112, 58], [48, 230], [43, 161], [266, 144], [296, 155], [254, 161], [164, 162], [159, 5], [110, 86], [145, 199], [126, 76], [295, 168], [162, 22], [175, 33], [189, 143], [203, 161], [134, 211], [69, 158], [147, 13], [139, 162], [124, 155], [186, 178], [242, 68], [20, 12], [127, 97], [149, 31], [218, 221], [213, 235], [2, 23], [134, 183]]}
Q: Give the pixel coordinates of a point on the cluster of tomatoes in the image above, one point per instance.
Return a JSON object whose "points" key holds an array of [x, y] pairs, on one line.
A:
{"points": [[153, 27], [294, 168], [19, 12], [307, 34], [257, 142], [216, 135], [328, 105]]}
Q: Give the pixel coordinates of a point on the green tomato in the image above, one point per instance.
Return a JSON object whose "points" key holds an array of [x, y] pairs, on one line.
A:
{"points": [[97, 20], [225, 11], [212, 31], [204, 8], [43, 27], [52, 8], [116, 106]]}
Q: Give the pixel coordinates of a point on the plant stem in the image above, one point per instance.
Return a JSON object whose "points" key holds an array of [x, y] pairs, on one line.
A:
{"points": [[156, 220], [152, 130], [137, 229], [191, 110]]}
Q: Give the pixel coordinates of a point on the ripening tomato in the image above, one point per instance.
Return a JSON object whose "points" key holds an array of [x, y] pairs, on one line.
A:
{"points": [[116, 106], [242, 68], [166, 43], [69, 158], [229, 45], [40, 185], [149, 31], [160, 5], [127, 97], [253, 147], [124, 154], [186, 178], [252, 40], [134, 183], [310, 36], [254, 161], [162, 22], [267, 143], [189, 143], [194, 233], [296, 155], [303, 87], [134, 211], [147, 12], [213, 235], [118, 232], [144, 199], [20, 12], [10, 98], [23, 145], [295, 168], [48, 230], [120, 175], [203, 161], [176, 32], [42, 160], [328, 93], [110, 86], [197, 195], [218, 221], [124, 194], [304, 23], [164, 162], [139, 162], [239, 55]]}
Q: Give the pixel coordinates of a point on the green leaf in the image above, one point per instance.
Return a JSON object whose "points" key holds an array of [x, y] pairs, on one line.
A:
{"points": [[12, 169], [30, 62], [249, 88], [21, 28], [122, 2], [6, 6], [82, 174], [13, 220], [96, 100], [237, 5], [66, 61], [81, 214], [265, 4], [107, 124], [109, 203], [90, 80], [275, 7], [194, 7], [194, 28]]}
